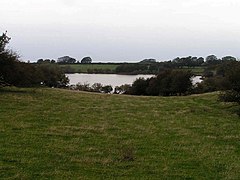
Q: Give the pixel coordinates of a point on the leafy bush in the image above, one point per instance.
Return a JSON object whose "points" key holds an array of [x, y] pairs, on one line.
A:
{"points": [[167, 83]]}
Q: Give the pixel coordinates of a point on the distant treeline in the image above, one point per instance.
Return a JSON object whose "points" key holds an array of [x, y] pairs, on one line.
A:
{"points": [[198, 65], [153, 67]]}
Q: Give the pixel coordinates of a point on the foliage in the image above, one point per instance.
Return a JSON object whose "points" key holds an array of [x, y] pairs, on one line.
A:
{"points": [[123, 89], [212, 60], [188, 61], [39, 61], [167, 83], [4, 40], [139, 86], [14, 72], [211, 84], [106, 89], [148, 61], [66, 60], [232, 74], [230, 96], [86, 60], [229, 58], [96, 87], [51, 75], [83, 87]]}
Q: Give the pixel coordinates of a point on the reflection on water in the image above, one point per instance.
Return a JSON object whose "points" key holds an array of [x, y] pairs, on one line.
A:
{"points": [[110, 79], [104, 79]]}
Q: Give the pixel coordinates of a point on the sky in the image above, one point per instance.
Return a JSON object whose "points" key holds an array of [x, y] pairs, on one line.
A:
{"points": [[121, 30]]}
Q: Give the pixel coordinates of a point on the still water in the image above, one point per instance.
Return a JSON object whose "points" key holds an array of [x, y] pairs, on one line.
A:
{"points": [[110, 79]]}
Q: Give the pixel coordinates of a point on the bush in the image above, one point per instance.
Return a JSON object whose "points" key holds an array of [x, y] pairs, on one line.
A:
{"points": [[167, 83]]}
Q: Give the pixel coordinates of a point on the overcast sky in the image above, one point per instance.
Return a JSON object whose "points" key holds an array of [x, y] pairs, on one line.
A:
{"points": [[121, 30]]}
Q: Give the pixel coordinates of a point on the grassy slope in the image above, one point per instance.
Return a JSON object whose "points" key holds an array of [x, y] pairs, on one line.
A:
{"points": [[50, 133]]}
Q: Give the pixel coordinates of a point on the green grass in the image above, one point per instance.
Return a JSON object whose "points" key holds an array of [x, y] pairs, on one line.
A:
{"points": [[195, 70], [60, 134], [85, 68]]}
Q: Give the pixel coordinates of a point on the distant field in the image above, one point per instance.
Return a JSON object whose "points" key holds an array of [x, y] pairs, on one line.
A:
{"points": [[85, 68], [61, 134], [195, 70], [111, 68]]}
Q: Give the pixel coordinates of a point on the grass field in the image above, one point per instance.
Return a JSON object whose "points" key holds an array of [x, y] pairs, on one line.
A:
{"points": [[106, 68], [85, 68], [195, 70], [61, 134]]}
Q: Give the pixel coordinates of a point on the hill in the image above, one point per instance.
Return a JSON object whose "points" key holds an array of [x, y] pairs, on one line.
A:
{"points": [[52, 133]]}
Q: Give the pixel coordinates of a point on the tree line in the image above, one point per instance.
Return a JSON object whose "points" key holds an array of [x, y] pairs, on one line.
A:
{"points": [[66, 60], [151, 66]]}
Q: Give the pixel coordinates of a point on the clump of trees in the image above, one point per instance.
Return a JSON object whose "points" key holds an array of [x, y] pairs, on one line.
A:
{"points": [[187, 62], [86, 60], [46, 61], [167, 83], [231, 74], [21, 74], [66, 60]]}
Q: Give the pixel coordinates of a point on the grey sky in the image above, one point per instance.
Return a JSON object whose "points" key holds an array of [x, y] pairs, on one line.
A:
{"points": [[121, 30]]}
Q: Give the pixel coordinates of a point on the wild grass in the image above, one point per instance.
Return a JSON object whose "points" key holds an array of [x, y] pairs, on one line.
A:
{"points": [[61, 134]]}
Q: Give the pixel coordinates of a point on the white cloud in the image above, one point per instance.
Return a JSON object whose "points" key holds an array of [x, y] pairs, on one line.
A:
{"points": [[129, 25]]}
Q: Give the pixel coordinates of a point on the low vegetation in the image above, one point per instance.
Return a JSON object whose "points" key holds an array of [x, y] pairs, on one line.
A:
{"points": [[60, 134]]}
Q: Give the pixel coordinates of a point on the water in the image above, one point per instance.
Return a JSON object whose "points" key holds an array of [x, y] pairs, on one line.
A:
{"points": [[104, 79], [110, 79]]}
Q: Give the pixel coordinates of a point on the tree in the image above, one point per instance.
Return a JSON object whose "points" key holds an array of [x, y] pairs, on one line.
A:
{"points": [[51, 75], [139, 86], [86, 60], [229, 58], [166, 83], [212, 60], [148, 61], [181, 82], [66, 60], [232, 94], [8, 62], [20, 74], [4, 40]]}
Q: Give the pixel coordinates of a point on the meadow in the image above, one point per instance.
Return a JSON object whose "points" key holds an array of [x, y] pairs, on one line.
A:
{"points": [[104, 68], [62, 134], [86, 68]]}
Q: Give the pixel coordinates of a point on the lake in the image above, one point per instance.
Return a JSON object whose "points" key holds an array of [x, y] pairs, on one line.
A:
{"points": [[110, 79]]}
